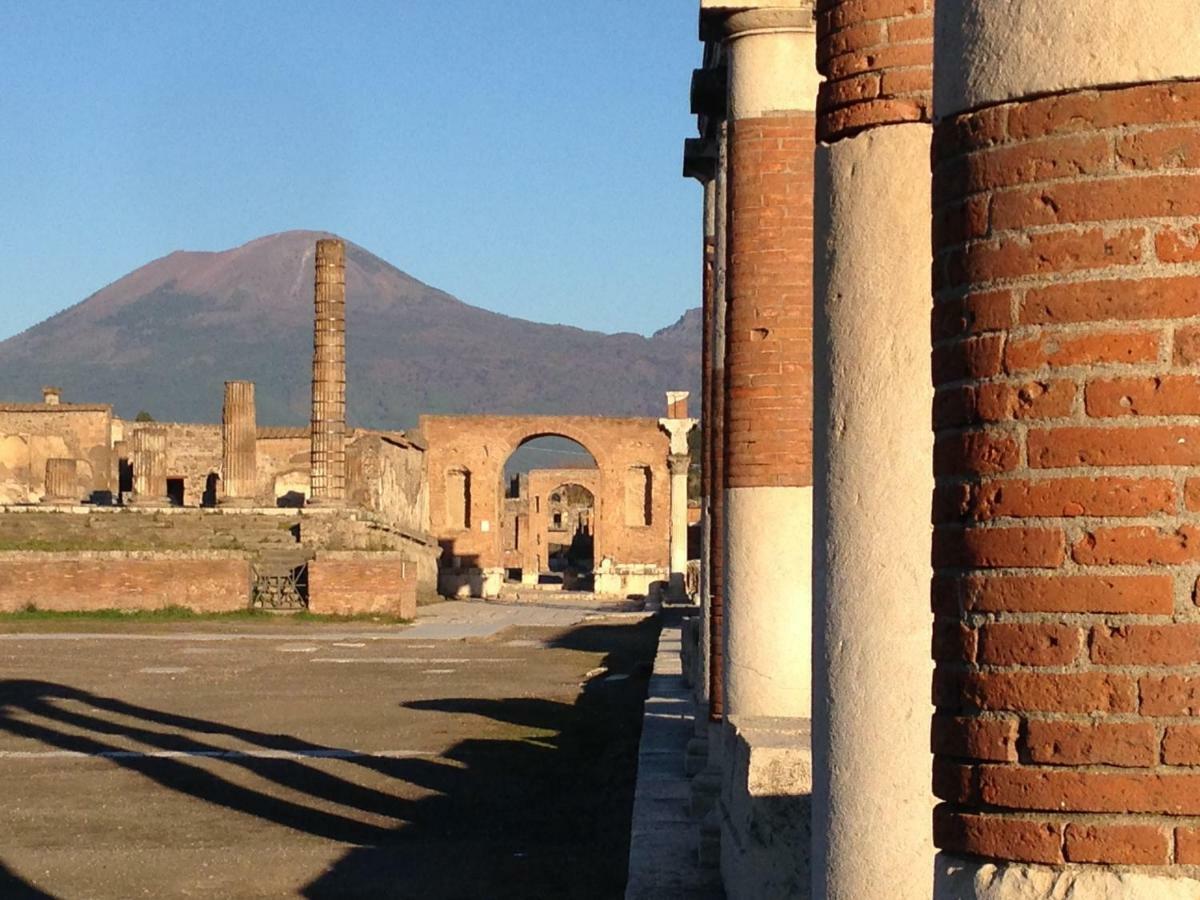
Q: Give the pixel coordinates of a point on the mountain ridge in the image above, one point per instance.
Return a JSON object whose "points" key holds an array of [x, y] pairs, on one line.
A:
{"points": [[165, 336]]}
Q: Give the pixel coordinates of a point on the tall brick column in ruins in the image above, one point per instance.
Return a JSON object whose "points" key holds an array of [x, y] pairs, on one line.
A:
{"points": [[149, 458], [239, 441], [62, 483], [329, 376], [716, 438], [768, 362], [872, 453], [1067, 296]]}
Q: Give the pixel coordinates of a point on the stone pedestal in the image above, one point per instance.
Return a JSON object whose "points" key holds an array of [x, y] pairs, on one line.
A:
{"points": [[239, 434], [62, 483], [149, 458], [329, 377], [766, 808]]}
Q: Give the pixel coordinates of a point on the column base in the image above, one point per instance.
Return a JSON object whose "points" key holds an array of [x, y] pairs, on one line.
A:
{"points": [[60, 501], [973, 879], [766, 808]]}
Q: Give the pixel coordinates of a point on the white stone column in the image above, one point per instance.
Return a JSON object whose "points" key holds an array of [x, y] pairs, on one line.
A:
{"points": [[678, 462]]}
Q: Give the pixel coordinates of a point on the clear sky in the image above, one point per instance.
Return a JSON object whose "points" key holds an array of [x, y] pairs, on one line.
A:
{"points": [[523, 155]]}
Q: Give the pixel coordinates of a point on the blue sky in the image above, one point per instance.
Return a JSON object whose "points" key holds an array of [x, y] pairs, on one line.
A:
{"points": [[523, 155]]}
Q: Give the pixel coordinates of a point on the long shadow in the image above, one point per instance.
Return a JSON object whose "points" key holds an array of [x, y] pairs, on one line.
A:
{"points": [[14, 887], [545, 815]]}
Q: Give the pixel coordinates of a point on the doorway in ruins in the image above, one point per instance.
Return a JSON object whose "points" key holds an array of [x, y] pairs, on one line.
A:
{"points": [[550, 485]]}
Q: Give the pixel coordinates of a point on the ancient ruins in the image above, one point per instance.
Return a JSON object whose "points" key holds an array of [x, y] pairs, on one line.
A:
{"points": [[100, 512], [1051, 505]]}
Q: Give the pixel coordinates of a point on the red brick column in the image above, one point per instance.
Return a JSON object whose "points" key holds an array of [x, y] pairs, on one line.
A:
{"points": [[716, 441], [768, 364], [1068, 433]]}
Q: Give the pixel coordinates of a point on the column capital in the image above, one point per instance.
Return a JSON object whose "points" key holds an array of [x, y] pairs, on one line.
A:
{"points": [[678, 430], [772, 51]]}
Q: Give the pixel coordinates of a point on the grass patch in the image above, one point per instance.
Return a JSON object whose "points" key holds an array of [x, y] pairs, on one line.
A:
{"points": [[182, 614]]}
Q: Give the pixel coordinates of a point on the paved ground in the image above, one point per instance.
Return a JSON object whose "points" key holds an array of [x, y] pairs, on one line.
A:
{"points": [[489, 751]]}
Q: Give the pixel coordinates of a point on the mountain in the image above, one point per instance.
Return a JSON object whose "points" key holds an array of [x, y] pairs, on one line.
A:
{"points": [[165, 337]]}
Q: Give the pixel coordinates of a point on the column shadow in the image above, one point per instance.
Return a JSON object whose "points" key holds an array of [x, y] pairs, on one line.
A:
{"points": [[520, 816]]}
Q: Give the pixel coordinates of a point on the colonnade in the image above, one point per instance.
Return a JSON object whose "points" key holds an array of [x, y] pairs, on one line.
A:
{"points": [[950, 340]]}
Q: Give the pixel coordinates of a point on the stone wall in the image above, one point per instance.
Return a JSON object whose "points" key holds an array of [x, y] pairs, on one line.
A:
{"points": [[32, 433], [193, 454], [351, 583], [385, 473], [129, 581]]}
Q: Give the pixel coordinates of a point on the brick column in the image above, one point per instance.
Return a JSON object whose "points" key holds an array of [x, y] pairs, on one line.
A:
{"points": [[1067, 417], [768, 363], [149, 458], [239, 434], [872, 453], [706, 425], [62, 483], [716, 440], [329, 376]]}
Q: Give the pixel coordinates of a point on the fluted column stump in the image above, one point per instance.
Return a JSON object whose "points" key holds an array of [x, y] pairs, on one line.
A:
{"points": [[239, 434], [328, 484], [62, 483], [149, 459]]}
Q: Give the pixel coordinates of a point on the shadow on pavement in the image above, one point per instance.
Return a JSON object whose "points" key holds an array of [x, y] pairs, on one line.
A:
{"points": [[545, 815]]}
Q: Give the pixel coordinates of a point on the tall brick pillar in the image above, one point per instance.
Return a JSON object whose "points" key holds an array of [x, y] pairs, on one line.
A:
{"points": [[62, 482], [239, 434], [1066, 199], [716, 438], [872, 453], [329, 376], [768, 362], [767, 445], [149, 458]]}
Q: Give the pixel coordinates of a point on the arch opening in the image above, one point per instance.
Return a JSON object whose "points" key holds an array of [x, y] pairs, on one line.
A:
{"points": [[549, 488]]}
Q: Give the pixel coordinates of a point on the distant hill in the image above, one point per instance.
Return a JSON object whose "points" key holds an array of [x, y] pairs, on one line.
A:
{"points": [[165, 337]]}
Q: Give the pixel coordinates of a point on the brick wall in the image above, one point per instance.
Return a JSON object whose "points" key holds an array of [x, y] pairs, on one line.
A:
{"points": [[348, 583], [66, 582], [877, 59], [1067, 286], [768, 363]]}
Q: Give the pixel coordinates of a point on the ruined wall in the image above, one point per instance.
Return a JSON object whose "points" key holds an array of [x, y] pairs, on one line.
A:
{"points": [[542, 483], [354, 583], [193, 454], [477, 447], [283, 464], [32, 433], [67, 582], [385, 473]]}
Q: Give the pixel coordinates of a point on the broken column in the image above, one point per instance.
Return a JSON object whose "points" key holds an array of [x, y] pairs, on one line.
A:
{"points": [[328, 478], [239, 445], [149, 457], [678, 426], [1066, 193], [873, 458], [52, 396], [62, 483], [768, 451]]}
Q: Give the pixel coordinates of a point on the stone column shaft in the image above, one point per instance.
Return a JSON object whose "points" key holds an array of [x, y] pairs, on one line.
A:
{"points": [[872, 456], [1066, 199], [767, 439], [678, 466], [149, 457], [62, 482], [239, 433], [329, 376]]}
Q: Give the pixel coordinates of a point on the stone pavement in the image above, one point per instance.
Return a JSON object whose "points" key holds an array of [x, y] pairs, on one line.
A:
{"points": [[662, 847]]}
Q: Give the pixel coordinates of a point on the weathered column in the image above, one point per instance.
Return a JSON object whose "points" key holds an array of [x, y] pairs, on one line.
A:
{"points": [[62, 483], [239, 434], [1066, 200], [768, 362], [149, 457], [677, 425], [329, 377], [765, 759], [872, 454]]}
